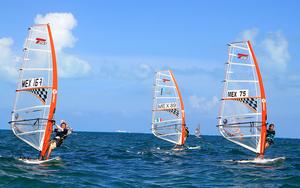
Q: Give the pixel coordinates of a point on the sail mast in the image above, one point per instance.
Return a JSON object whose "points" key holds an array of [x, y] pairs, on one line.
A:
{"points": [[263, 102], [49, 125], [182, 109]]}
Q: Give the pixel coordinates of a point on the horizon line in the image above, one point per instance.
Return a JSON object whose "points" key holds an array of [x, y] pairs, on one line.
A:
{"points": [[129, 132]]}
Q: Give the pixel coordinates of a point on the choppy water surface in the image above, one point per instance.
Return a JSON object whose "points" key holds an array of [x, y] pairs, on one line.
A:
{"points": [[141, 160]]}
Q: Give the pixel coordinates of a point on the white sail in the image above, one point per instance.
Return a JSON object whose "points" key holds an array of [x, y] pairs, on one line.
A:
{"points": [[168, 117], [242, 116], [36, 89], [197, 131]]}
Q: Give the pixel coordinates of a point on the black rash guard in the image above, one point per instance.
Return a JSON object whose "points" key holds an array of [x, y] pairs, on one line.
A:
{"points": [[60, 136], [270, 136]]}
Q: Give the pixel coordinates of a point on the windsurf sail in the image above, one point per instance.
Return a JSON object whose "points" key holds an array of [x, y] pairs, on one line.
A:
{"points": [[36, 93], [168, 116], [243, 111], [197, 131]]}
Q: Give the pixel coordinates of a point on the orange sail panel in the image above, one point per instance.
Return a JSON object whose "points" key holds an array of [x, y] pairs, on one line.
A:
{"points": [[36, 93], [243, 114], [168, 116]]}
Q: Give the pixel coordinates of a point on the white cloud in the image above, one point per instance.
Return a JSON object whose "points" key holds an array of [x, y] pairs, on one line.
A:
{"points": [[62, 24], [7, 59], [203, 104], [143, 71], [275, 53], [272, 50], [124, 68], [249, 34], [142, 68], [72, 66]]}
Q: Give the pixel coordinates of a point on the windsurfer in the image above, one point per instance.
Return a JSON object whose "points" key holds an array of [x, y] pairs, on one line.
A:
{"points": [[270, 135], [178, 147], [186, 132], [269, 138], [62, 131]]}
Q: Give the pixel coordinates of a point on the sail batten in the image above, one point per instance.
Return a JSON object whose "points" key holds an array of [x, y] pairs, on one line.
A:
{"points": [[249, 81], [30, 132], [31, 108], [37, 50], [239, 64], [242, 114], [165, 86], [36, 69], [168, 116], [34, 106], [167, 97]]}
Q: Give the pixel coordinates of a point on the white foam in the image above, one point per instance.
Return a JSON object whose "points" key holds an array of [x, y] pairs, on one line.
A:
{"points": [[37, 161], [261, 161]]}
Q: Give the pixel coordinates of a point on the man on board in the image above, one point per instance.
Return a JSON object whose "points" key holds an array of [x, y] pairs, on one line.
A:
{"points": [[62, 131], [270, 135], [186, 132], [269, 138], [185, 135]]}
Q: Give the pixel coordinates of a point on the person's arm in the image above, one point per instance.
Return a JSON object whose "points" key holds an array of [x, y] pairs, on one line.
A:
{"points": [[59, 127]]}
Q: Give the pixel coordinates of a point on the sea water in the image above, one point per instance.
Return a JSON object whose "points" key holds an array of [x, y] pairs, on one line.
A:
{"points": [[142, 160]]}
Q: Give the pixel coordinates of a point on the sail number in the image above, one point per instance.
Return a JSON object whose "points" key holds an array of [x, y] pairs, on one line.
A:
{"points": [[33, 82], [167, 105], [237, 93]]}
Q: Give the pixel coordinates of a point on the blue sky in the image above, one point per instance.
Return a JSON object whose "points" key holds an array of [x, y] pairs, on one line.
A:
{"points": [[111, 49]]}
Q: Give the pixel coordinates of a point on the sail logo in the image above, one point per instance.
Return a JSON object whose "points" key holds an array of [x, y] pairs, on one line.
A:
{"points": [[40, 41], [167, 105], [33, 82], [242, 56], [165, 80], [237, 93], [157, 120]]}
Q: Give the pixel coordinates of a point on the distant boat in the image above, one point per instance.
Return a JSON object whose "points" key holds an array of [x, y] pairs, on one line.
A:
{"points": [[243, 110], [197, 132], [168, 116], [36, 94], [121, 131]]}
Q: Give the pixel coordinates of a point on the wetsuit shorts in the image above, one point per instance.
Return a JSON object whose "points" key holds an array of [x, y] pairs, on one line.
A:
{"points": [[270, 141]]}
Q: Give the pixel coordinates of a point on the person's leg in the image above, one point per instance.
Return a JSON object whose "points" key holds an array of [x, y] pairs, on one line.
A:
{"points": [[49, 152], [42, 157], [51, 147], [259, 156], [267, 145]]}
